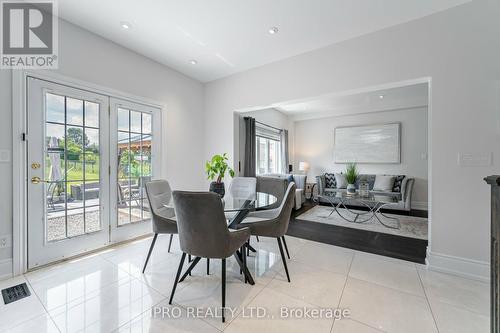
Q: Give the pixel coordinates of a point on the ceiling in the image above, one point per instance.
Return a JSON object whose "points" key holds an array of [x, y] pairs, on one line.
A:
{"points": [[373, 101], [230, 36]]}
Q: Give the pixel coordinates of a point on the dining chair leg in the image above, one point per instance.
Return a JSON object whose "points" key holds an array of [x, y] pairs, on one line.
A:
{"points": [[283, 258], [149, 252], [242, 250], [189, 260], [190, 268], [208, 266], [170, 242], [179, 270], [257, 238], [286, 247], [223, 288], [244, 255]]}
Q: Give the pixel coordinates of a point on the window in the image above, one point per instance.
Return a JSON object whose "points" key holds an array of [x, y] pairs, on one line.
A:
{"points": [[268, 154]]}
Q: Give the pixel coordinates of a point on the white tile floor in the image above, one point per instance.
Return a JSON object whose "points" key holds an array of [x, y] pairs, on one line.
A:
{"points": [[107, 292]]}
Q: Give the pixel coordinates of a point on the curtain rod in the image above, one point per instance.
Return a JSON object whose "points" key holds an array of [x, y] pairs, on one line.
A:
{"points": [[278, 129]]}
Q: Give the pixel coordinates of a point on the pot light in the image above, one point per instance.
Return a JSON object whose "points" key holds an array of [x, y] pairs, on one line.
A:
{"points": [[273, 30], [125, 25], [381, 96], [193, 62]]}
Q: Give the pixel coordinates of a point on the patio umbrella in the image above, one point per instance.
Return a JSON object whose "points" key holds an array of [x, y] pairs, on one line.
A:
{"points": [[55, 160]]}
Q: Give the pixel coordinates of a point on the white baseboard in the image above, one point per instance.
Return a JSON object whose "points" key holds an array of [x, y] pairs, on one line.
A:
{"points": [[420, 205], [5, 269], [468, 268]]}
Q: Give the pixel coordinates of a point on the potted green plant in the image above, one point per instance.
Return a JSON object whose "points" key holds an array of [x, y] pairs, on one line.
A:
{"points": [[216, 169], [351, 173]]}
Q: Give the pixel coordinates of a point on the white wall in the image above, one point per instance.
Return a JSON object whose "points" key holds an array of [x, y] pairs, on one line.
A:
{"points": [[459, 49], [314, 143], [270, 117], [88, 57]]}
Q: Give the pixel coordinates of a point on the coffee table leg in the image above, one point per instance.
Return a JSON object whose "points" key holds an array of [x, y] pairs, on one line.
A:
{"points": [[377, 211]]}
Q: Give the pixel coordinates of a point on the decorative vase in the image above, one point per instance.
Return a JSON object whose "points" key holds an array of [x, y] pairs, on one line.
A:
{"points": [[217, 188], [351, 189]]}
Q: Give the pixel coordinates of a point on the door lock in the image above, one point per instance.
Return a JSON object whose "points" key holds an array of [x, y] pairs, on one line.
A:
{"points": [[35, 165]]}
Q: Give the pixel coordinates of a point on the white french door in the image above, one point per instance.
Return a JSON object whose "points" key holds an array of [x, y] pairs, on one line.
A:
{"points": [[88, 158], [134, 134]]}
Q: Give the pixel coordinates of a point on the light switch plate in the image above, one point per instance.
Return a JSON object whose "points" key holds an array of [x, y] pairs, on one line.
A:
{"points": [[475, 159], [4, 155]]}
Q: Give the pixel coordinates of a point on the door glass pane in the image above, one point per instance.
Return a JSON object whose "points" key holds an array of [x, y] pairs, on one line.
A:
{"points": [[55, 108], [123, 119], [92, 218], [71, 167], [135, 122], [146, 123], [75, 139], [91, 156], [74, 111], [91, 114], [56, 225], [134, 167]]}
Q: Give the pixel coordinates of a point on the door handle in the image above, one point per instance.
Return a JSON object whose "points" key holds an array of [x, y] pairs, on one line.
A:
{"points": [[38, 180]]}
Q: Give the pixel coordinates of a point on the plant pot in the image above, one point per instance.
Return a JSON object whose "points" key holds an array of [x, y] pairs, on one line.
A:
{"points": [[217, 188], [351, 189]]}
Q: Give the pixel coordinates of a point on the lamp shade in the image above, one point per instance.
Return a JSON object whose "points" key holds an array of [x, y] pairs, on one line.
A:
{"points": [[303, 166]]}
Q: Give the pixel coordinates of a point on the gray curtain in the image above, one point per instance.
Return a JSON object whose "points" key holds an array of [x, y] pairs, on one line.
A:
{"points": [[249, 162], [284, 151]]}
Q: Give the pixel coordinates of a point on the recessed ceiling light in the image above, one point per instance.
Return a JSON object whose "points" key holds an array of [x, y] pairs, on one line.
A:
{"points": [[273, 30], [193, 62], [381, 96], [125, 25]]}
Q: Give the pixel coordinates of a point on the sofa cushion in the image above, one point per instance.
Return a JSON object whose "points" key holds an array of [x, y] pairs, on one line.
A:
{"points": [[330, 180], [340, 180], [398, 182], [384, 183]]}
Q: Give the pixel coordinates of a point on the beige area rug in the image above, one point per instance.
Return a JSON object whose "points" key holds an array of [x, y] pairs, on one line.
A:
{"points": [[413, 227]]}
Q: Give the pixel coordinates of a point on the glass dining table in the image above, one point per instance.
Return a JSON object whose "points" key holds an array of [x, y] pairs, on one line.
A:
{"points": [[237, 206]]}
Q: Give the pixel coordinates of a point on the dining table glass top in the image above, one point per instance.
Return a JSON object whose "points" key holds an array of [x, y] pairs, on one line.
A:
{"points": [[257, 201], [235, 202]]}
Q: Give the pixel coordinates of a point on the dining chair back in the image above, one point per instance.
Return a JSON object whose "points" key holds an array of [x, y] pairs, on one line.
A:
{"points": [[243, 187]]}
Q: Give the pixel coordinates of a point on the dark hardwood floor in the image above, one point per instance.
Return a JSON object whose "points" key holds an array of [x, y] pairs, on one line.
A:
{"points": [[394, 246]]}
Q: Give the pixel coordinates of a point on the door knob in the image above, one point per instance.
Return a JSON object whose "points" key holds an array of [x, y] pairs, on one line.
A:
{"points": [[37, 180], [35, 165]]}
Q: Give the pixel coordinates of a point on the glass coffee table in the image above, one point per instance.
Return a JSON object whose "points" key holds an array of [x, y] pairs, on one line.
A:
{"points": [[374, 202]]}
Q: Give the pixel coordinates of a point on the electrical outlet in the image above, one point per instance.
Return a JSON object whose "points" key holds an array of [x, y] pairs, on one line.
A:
{"points": [[5, 241]]}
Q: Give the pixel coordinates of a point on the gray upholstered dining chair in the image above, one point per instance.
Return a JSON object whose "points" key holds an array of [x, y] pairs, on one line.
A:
{"points": [[273, 222], [163, 218], [203, 233]]}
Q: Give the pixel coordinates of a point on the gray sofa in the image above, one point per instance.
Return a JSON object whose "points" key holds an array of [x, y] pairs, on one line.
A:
{"points": [[276, 184], [402, 185]]}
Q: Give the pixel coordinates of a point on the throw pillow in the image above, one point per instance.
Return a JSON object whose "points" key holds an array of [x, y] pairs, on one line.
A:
{"points": [[383, 183], [340, 180], [398, 182], [330, 180]]}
